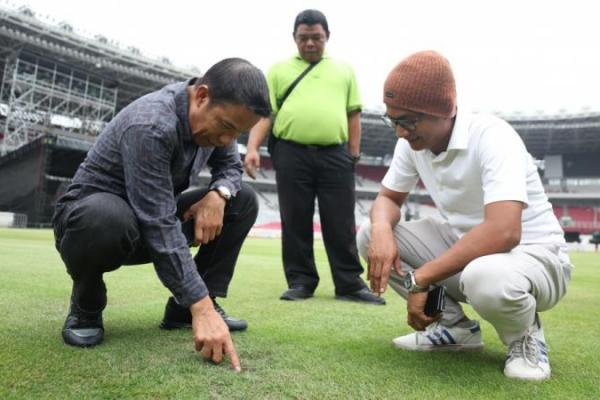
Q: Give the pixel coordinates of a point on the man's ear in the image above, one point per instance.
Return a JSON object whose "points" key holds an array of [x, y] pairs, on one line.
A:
{"points": [[201, 94]]}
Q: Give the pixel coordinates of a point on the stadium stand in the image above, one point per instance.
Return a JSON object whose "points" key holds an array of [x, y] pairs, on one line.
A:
{"points": [[60, 87], [565, 147], [58, 90]]}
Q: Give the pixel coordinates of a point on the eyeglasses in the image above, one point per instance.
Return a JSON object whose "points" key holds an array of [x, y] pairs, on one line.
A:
{"points": [[406, 123], [306, 38]]}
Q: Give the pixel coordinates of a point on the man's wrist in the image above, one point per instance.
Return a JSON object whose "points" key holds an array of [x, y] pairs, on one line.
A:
{"points": [[223, 192], [422, 277], [251, 148], [215, 195], [202, 306], [410, 283], [381, 226]]}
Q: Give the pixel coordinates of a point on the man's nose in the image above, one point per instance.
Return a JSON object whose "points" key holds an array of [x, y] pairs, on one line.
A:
{"points": [[226, 140]]}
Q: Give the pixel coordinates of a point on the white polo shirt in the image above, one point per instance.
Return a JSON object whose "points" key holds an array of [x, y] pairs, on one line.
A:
{"points": [[486, 161]]}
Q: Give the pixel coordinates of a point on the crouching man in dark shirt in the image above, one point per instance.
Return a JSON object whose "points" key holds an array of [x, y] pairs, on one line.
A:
{"points": [[127, 205]]}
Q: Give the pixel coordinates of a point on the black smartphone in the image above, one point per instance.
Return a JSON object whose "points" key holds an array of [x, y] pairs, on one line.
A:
{"points": [[436, 301], [188, 230]]}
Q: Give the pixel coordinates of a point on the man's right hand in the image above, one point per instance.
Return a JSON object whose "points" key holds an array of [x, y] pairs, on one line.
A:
{"points": [[251, 162], [382, 254], [211, 335]]}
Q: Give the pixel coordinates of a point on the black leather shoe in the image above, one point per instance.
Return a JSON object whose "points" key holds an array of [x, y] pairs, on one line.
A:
{"points": [[233, 324], [296, 293], [82, 328], [363, 295], [178, 317]]}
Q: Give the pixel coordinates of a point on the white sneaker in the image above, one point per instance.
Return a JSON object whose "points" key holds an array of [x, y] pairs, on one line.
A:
{"points": [[527, 357], [437, 337]]}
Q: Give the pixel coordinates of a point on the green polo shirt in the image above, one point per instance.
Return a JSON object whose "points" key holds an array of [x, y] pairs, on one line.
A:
{"points": [[316, 112]]}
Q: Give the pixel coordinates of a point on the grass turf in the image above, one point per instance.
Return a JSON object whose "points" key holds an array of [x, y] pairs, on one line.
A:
{"points": [[316, 349]]}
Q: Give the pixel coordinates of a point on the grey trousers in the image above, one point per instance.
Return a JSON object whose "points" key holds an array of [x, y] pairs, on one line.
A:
{"points": [[505, 289]]}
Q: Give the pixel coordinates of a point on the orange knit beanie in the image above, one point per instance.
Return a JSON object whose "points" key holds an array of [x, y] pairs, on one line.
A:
{"points": [[423, 82]]}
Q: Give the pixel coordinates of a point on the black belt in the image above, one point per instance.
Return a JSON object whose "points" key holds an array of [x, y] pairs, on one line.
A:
{"points": [[312, 147]]}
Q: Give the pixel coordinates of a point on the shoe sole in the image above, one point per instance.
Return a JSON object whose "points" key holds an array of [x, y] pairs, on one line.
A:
{"points": [[169, 326], [237, 329], [72, 339], [542, 378], [442, 348], [374, 303], [294, 298], [172, 326]]}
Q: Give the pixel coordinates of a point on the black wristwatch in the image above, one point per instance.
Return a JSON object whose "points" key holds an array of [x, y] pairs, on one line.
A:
{"points": [[410, 283], [356, 159]]}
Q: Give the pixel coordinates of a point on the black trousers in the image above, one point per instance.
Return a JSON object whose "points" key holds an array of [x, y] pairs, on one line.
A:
{"points": [[99, 233], [304, 173]]}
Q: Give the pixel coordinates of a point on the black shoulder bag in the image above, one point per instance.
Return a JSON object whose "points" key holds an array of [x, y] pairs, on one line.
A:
{"points": [[272, 138]]}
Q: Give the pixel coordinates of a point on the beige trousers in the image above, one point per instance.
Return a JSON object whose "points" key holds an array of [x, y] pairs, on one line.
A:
{"points": [[505, 289]]}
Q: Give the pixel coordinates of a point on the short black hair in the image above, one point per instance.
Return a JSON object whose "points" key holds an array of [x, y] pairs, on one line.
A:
{"points": [[311, 17], [235, 80]]}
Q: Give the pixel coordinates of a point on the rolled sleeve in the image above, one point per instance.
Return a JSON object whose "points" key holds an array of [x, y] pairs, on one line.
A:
{"points": [[503, 161], [353, 102], [226, 168], [402, 176], [273, 89], [146, 165]]}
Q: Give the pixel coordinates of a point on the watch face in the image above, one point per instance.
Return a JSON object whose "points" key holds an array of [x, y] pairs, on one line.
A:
{"points": [[224, 192], [407, 281]]}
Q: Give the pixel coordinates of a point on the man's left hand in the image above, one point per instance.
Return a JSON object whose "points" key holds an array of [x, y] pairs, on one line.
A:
{"points": [[415, 307], [208, 217]]}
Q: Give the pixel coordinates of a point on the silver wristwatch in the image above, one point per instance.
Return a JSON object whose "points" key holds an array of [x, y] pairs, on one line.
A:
{"points": [[223, 192], [410, 283]]}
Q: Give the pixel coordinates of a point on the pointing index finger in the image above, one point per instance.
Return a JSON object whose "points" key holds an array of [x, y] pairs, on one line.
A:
{"points": [[233, 357]]}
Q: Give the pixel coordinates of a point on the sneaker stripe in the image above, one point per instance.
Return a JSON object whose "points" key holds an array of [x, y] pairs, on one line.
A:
{"points": [[432, 340], [474, 329], [449, 336]]}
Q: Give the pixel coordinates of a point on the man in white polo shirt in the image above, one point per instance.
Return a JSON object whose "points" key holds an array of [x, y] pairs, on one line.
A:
{"points": [[500, 247]]}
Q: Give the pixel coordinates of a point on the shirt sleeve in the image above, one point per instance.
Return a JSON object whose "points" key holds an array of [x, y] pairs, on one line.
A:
{"points": [[146, 165], [503, 161], [402, 176], [273, 87], [226, 168], [354, 102]]}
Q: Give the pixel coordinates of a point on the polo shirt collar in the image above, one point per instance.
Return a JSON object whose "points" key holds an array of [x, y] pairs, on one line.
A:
{"points": [[298, 57], [459, 138]]}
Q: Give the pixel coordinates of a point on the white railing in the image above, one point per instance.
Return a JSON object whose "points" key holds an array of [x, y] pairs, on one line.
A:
{"points": [[12, 220]]}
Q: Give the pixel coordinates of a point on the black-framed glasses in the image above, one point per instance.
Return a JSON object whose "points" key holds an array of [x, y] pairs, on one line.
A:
{"points": [[407, 123]]}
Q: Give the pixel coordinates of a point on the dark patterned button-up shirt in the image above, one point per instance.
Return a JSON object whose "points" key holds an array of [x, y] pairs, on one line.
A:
{"points": [[145, 155]]}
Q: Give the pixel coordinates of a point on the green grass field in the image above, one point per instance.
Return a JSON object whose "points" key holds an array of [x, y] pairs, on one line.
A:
{"points": [[317, 349]]}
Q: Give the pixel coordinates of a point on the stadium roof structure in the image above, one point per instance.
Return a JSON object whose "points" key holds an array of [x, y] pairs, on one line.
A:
{"points": [[560, 134], [543, 135], [134, 73]]}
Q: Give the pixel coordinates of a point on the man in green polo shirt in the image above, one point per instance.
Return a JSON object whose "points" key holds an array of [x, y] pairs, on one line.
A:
{"points": [[317, 127]]}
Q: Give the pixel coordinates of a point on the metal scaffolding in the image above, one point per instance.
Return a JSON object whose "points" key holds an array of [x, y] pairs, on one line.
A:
{"points": [[39, 96]]}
